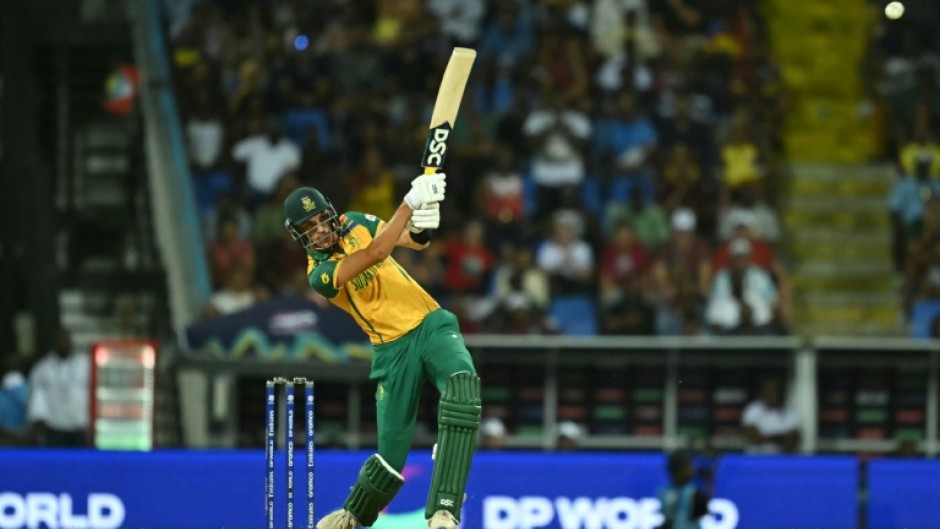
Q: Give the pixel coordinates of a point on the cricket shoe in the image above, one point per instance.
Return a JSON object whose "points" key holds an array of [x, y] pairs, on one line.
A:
{"points": [[341, 519], [442, 520]]}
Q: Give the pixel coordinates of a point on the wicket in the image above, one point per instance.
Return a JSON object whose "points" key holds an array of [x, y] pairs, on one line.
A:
{"points": [[270, 412]]}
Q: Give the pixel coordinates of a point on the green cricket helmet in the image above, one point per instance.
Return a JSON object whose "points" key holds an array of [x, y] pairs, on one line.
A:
{"points": [[303, 204]]}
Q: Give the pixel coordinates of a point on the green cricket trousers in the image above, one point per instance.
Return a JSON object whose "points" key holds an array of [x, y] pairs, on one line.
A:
{"points": [[434, 350]]}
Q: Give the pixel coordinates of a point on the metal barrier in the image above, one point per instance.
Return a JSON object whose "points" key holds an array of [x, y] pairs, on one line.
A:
{"points": [[809, 365], [806, 362]]}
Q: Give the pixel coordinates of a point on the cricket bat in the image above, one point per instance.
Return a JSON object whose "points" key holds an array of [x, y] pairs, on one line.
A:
{"points": [[445, 108]]}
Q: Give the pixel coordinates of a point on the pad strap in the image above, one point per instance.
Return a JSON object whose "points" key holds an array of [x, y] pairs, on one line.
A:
{"points": [[377, 485]]}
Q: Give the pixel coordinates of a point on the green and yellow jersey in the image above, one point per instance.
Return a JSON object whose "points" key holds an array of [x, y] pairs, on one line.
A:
{"points": [[384, 300]]}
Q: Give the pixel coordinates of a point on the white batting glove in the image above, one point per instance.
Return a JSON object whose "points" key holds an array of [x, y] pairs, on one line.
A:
{"points": [[425, 190], [428, 218]]}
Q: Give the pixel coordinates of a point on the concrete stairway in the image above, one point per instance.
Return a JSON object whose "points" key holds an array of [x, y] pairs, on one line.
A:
{"points": [[839, 241], [93, 315], [834, 210], [818, 47], [111, 283]]}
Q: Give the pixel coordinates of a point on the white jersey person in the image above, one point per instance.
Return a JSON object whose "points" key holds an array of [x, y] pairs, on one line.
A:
{"points": [[57, 410], [770, 424]]}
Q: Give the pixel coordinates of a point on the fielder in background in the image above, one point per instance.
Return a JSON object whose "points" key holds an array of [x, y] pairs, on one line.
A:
{"points": [[349, 262], [683, 504]]}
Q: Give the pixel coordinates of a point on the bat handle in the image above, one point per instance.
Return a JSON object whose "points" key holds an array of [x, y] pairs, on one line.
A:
{"points": [[430, 170]]}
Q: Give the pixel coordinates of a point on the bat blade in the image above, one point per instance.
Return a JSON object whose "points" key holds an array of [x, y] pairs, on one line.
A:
{"points": [[446, 106]]}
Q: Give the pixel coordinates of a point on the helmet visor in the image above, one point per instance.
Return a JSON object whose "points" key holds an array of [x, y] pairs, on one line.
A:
{"points": [[318, 232]]}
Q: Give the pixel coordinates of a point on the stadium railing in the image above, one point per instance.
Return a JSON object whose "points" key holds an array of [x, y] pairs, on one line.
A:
{"points": [[176, 220], [886, 388]]}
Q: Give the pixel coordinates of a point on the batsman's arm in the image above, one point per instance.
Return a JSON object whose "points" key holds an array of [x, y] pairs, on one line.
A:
{"points": [[380, 247], [422, 223], [415, 241]]}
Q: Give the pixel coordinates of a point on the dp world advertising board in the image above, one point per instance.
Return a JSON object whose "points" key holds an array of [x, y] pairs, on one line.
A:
{"points": [[507, 490]]}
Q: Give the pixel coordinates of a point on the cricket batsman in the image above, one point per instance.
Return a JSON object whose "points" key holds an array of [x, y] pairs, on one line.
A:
{"points": [[349, 262]]}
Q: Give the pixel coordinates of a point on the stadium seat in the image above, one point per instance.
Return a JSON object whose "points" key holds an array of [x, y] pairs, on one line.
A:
{"points": [[575, 315], [592, 195], [208, 185], [923, 316], [297, 121]]}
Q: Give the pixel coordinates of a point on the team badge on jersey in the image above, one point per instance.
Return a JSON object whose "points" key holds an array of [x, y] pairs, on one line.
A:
{"points": [[354, 242], [307, 203], [325, 278]]}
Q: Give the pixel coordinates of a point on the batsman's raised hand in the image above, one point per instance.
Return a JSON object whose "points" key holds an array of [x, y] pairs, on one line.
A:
{"points": [[428, 218], [426, 190]]}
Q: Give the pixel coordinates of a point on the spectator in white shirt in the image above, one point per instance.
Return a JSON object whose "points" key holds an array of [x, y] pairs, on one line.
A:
{"points": [[568, 436], [59, 390], [567, 259], [492, 434], [743, 297], [558, 135], [770, 424], [205, 133], [460, 19], [267, 156], [517, 275], [239, 293], [751, 209]]}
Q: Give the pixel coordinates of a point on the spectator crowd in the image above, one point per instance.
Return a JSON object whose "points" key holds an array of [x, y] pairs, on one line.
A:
{"points": [[904, 69], [611, 171]]}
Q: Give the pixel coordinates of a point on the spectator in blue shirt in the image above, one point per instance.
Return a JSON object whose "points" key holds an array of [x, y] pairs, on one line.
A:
{"points": [[907, 201], [630, 140], [508, 38], [14, 393]]}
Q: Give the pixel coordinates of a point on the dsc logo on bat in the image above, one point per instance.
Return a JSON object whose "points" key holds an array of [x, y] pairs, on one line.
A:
{"points": [[437, 146]]}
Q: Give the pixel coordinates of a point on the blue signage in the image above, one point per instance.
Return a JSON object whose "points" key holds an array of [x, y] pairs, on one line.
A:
{"points": [[777, 492], [507, 490], [903, 493], [286, 327]]}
